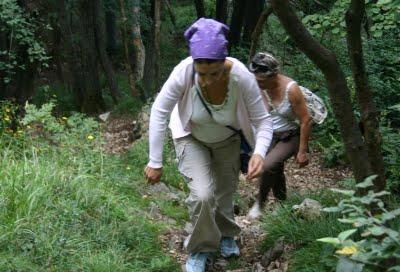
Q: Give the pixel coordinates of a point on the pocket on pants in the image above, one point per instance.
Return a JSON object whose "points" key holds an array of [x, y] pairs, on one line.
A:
{"points": [[180, 148]]}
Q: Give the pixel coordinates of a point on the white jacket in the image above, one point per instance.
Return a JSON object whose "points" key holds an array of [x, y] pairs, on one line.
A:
{"points": [[173, 97]]}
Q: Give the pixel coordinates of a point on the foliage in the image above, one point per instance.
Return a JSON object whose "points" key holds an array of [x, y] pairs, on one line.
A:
{"points": [[300, 234], [391, 151], [66, 206], [375, 243], [22, 32], [383, 16]]}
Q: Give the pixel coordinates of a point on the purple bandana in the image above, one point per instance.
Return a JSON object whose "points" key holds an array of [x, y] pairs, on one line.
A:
{"points": [[207, 39]]}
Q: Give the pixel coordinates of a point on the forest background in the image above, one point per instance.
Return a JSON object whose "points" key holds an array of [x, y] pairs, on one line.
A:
{"points": [[66, 205]]}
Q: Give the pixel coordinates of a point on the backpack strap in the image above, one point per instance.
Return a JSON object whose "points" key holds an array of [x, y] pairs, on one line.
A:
{"points": [[244, 144]]}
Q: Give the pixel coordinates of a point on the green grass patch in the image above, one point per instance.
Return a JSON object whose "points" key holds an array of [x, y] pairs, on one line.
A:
{"points": [[67, 206], [308, 255]]}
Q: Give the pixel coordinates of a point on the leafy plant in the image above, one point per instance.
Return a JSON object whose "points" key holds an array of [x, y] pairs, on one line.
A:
{"points": [[375, 243], [23, 34], [382, 14]]}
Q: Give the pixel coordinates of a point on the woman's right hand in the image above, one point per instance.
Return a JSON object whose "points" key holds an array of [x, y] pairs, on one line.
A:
{"points": [[153, 175]]}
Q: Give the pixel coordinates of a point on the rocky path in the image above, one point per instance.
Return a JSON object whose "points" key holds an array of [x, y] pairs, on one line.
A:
{"points": [[120, 133]]}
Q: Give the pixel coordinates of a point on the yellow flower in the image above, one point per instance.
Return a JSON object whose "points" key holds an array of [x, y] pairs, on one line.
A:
{"points": [[347, 250], [8, 110], [7, 118], [128, 168], [90, 137], [28, 126], [19, 131], [64, 118]]}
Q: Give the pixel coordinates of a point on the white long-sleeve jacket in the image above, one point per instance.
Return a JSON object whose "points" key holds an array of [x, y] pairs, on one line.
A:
{"points": [[174, 98]]}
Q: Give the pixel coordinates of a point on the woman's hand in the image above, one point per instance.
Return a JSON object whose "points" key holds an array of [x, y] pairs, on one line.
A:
{"points": [[153, 175], [302, 159], [255, 166]]}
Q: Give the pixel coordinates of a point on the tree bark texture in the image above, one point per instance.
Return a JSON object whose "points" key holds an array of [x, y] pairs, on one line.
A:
{"points": [[221, 11], [124, 31], [200, 10], [151, 67], [139, 56], [339, 93], [111, 29], [258, 30], [236, 26], [72, 50], [103, 57], [254, 9], [92, 100], [369, 112]]}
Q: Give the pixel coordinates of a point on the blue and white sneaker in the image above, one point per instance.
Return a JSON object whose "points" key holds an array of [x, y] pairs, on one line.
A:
{"points": [[197, 262], [229, 247]]}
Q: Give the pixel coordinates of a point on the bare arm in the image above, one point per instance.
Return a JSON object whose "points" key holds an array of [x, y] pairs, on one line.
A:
{"points": [[299, 107]]}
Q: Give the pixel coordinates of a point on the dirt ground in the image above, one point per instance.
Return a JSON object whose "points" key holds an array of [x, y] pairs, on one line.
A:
{"points": [[120, 134]]}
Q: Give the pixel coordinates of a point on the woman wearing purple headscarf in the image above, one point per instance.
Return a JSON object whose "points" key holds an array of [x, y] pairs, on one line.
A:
{"points": [[211, 97]]}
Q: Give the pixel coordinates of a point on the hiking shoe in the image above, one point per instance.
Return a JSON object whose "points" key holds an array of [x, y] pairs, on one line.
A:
{"points": [[196, 262], [255, 212], [229, 247]]}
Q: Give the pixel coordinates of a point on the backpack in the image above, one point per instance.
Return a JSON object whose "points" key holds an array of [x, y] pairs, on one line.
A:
{"points": [[315, 106]]}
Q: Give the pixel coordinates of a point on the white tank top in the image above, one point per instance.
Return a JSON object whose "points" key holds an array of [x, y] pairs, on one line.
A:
{"points": [[282, 115]]}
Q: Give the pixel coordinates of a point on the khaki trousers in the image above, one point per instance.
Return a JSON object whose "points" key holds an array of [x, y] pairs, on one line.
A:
{"points": [[211, 171]]}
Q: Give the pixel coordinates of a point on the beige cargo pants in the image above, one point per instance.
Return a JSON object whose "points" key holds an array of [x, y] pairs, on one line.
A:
{"points": [[211, 171]]}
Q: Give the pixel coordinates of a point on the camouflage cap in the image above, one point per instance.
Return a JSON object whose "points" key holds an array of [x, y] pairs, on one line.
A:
{"points": [[265, 64]]}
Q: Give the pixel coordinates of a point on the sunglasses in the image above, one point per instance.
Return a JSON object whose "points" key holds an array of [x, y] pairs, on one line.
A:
{"points": [[256, 68]]}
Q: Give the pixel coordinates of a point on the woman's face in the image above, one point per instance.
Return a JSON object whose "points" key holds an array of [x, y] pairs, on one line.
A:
{"points": [[209, 73]]}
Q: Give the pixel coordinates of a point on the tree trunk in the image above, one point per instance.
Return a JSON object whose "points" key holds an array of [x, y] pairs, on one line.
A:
{"points": [[151, 67], [139, 56], [111, 28], [92, 101], [125, 42], [73, 61], [157, 40], [236, 22], [254, 9], [369, 112], [339, 93], [221, 13], [200, 10], [103, 57], [258, 30]]}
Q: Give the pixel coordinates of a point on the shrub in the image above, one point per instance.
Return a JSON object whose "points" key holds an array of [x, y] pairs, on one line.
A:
{"points": [[375, 243]]}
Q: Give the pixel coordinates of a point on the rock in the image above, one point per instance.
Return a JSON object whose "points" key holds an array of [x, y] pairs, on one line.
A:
{"points": [[176, 242], [154, 211], [159, 187], [308, 209], [104, 116], [257, 267], [273, 253]]}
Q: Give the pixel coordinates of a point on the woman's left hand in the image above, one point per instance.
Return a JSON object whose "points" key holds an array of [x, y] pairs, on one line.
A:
{"points": [[302, 159], [255, 166]]}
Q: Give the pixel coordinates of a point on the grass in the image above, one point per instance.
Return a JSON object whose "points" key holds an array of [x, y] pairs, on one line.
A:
{"points": [[309, 255], [73, 208]]}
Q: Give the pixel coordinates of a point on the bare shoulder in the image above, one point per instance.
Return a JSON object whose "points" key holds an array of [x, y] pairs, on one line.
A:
{"points": [[294, 93]]}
